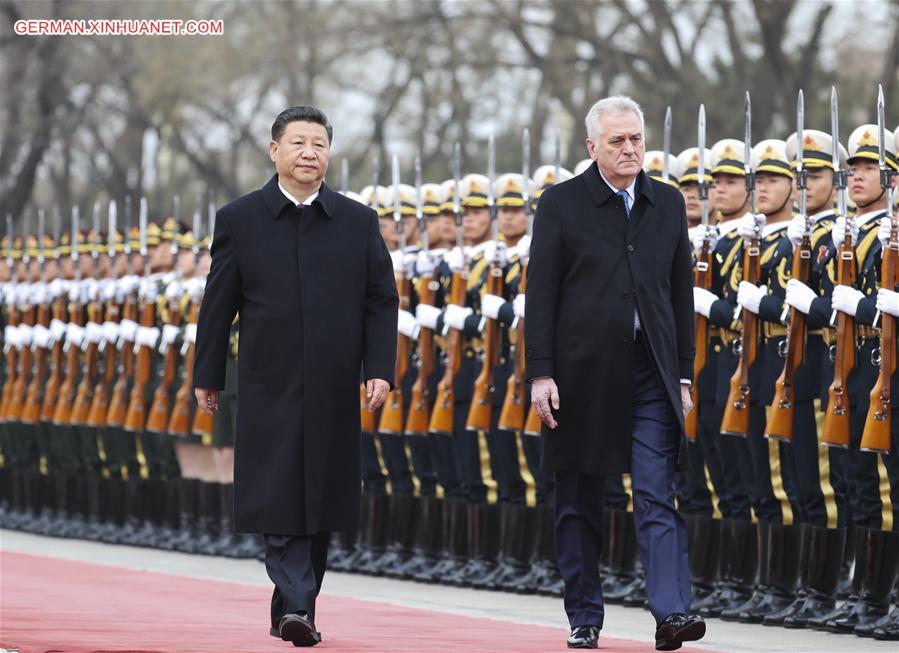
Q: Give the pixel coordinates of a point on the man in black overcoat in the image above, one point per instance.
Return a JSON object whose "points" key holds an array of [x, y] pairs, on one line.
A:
{"points": [[308, 272], [609, 348]]}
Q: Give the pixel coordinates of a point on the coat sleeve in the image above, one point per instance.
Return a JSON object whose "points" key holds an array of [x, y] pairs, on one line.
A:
{"points": [[220, 304], [682, 298], [542, 291], [381, 304]]}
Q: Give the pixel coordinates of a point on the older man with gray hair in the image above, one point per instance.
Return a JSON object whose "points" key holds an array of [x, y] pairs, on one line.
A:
{"points": [[610, 349]]}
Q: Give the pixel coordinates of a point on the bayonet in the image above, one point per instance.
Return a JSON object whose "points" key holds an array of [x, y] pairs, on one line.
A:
{"points": [[666, 142], [57, 230], [397, 204], [142, 223], [210, 216], [176, 214], [419, 205], [457, 205], [491, 200], [344, 176], [700, 170], [558, 157], [126, 235], [76, 227], [197, 226], [747, 154], [375, 173], [95, 241], [113, 217], [41, 233], [526, 177]]}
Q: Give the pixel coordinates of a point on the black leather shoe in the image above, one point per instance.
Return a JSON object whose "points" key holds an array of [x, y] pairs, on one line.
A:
{"points": [[584, 637], [678, 628], [299, 629]]}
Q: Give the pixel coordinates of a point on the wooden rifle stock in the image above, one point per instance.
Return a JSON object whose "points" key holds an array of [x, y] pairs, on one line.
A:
{"points": [[511, 417], [480, 413], [392, 412], [31, 412], [877, 434], [420, 405], [100, 403], [179, 423], [158, 417], [20, 387], [83, 398], [51, 390], [136, 417], [118, 399], [368, 422], [702, 278], [736, 410], [62, 414], [780, 421], [442, 414], [835, 431], [11, 366]]}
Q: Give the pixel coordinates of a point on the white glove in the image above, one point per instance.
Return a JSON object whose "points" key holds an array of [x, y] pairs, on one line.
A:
{"points": [[749, 296], [799, 296], [74, 335], [40, 336], [92, 289], [174, 291], [406, 325], [24, 336], [57, 287], [128, 330], [455, 259], [57, 329], [396, 257], [839, 231], [169, 335], [76, 291], [190, 333], [147, 337], [454, 316], [424, 264], [23, 293], [846, 299], [703, 300], [796, 229], [196, 287], [10, 335], [746, 225], [111, 332], [149, 290], [888, 302], [883, 232], [494, 251], [93, 332], [38, 293], [490, 305], [518, 306], [524, 249], [108, 291], [426, 316], [700, 235]]}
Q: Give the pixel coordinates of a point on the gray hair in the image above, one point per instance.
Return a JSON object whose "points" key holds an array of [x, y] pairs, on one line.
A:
{"points": [[611, 104]]}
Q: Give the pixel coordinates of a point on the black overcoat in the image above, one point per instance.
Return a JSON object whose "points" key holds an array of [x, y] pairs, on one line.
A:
{"points": [[590, 265], [317, 300]]}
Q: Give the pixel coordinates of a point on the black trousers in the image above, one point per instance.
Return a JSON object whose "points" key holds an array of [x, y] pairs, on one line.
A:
{"points": [[296, 565]]}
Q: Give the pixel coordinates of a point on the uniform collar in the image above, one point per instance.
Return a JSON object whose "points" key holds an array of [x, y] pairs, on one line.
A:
{"points": [[275, 200]]}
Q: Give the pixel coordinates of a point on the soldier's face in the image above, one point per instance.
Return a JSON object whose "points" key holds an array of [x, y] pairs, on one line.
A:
{"points": [[51, 269], [388, 232], [729, 192], [66, 268], [204, 263], [619, 148], [121, 265], [301, 154], [4, 271], [34, 268], [138, 262], [691, 200], [86, 265], [435, 231], [447, 223], [475, 223], [821, 192], [186, 262], [864, 182], [772, 192], [513, 223], [410, 229], [161, 256], [20, 271]]}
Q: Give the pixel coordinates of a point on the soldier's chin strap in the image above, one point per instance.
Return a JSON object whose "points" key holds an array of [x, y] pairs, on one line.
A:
{"points": [[784, 205], [874, 201]]}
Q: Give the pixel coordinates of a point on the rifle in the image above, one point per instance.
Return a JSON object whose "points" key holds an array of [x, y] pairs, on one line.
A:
{"points": [[12, 323], [877, 435], [91, 346], [511, 417], [702, 277], [31, 412], [420, 405], [835, 431], [51, 390], [736, 410], [203, 423], [26, 320], [442, 414], [480, 413], [367, 417], [62, 412], [118, 400], [392, 412], [780, 421], [99, 409]]}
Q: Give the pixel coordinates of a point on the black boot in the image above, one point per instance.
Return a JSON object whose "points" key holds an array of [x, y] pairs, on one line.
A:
{"points": [[134, 502], [859, 558], [403, 512], [171, 515], [76, 486], [455, 552], [822, 571], [153, 506], [510, 533], [517, 544], [844, 585], [479, 517], [887, 629], [761, 586], [873, 603], [705, 546], [374, 537], [186, 541], [112, 492], [782, 573], [243, 545], [47, 515], [208, 518], [622, 579], [352, 541], [539, 553], [739, 566], [427, 539]]}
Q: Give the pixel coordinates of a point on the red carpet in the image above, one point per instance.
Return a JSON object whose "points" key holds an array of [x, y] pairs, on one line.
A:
{"points": [[48, 604]]}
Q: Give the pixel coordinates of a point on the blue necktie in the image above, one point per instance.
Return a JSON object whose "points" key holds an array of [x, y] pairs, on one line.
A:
{"points": [[626, 198]]}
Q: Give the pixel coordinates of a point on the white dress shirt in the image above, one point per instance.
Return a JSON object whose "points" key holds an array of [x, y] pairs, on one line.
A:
{"points": [[306, 202]]}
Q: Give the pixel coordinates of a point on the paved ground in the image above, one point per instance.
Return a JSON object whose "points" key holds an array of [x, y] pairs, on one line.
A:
{"points": [[620, 622]]}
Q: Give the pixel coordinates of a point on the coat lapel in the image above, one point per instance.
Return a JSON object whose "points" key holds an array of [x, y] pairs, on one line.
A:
{"points": [[643, 210]]}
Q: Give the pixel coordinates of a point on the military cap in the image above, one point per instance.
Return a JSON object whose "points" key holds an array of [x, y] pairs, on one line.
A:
{"points": [[354, 196], [770, 155], [115, 242], [653, 163], [545, 176], [154, 234], [83, 243], [583, 165], [508, 189], [31, 246], [431, 198], [473, 190], [18, 248], [186, 239], [863, 145], [407, 200], [728, 158], [134, 238], [689, 162], [817, 150], [49, 246], [170, 229], [448, 189], [375, 197]]}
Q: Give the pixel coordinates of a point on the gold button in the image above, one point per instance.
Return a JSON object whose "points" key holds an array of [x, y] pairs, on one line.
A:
{"points": [[717, 348]]}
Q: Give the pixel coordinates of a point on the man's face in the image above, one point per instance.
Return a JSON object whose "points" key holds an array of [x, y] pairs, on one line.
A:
{"points": [[34, 269], [729, 193], [66, 268], [410, 229], [513, 223], [138, 262], [447, 222], [301, 154], [475, 223], [186, 264], [864, 182], [51, 269], [620, 148], [86, 265], [772, 192], [161, 256], [204, 263], [388, 232], [821, 191], [4, 271], [105, 265], [435, 230], [690, 191], [121, 265]]}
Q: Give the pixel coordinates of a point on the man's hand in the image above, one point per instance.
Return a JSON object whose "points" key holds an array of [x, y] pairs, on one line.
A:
{"points": [[207, 400], [543, 394], [376, 393], [685, 399]]}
